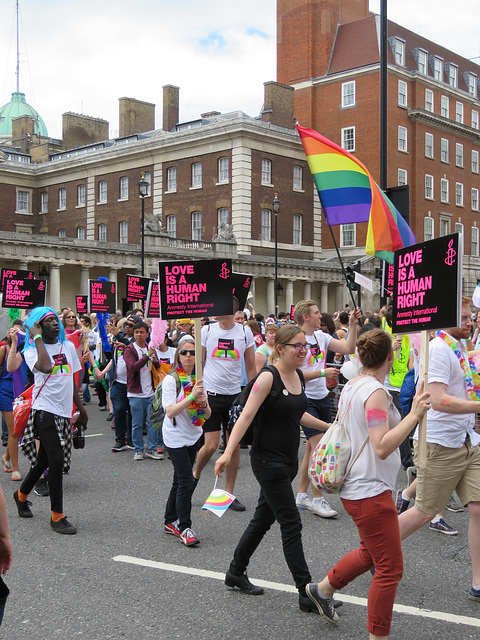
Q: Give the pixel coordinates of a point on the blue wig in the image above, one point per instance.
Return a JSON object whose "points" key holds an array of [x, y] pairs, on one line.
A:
{"points": [[36, 315]]}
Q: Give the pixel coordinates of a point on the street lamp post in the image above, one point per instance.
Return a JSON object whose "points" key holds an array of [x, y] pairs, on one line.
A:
{"points": [[276, 210], [142, 185]]}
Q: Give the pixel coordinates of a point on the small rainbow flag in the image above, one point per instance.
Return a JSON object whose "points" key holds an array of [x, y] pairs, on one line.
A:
{"points": [[218, 502], [349, 194]]}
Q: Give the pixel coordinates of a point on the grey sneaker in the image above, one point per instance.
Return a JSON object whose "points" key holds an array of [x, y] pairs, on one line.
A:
{"points": [[454, 506], [324, 605], [153, 454], [138, 455], [321, 508], [411, 475]]}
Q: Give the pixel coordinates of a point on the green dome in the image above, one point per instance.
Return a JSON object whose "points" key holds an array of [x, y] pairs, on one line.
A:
{"points": [[14, 109]]}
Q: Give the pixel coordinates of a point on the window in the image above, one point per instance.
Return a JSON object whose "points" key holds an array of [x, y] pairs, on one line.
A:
{"points": [[197, 175], [422, 61], [123, 232], [399, 51], [429, 145], [402, 138], [61, 233], [444, 190], [402, 93], [44, 202], [474, 242], [459, 155], [402, 177], [452, 74], [196, 225], [102, 232], [172, 226], [81, 233], [348, 94], [348, 138], [428, 228], [428, 100], [437, 66], [148, 178], [428, 187], [347, 235], [81, 195], [222, 216], [444, 226], [297, 178], [474, 161], [266, 223], [102, 191], [62, 198], [474, 119], [124, 188], [459, 112], [172, 179], [474, 199], [458, 227], [223, 170], [471, 80], [445, 107], [444, 150], [266, 171], [297, 228], [23, 201], [459, 194]]}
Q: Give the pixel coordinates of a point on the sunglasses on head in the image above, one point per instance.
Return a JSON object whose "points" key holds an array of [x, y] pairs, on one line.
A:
{"points": [[187, 352]]}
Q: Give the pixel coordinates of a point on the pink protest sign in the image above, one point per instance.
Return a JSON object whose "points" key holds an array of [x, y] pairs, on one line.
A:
{"points": [[427, 285], [137, 288], [15, 273], [241, 286], [193, 289], [81, 302], [23, 293], [152, 302], [101, 296]]}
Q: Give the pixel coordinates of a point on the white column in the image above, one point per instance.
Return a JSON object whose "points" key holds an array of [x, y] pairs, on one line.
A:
{"points": [[112, 277], [341, 292], [270, 296], [307, 291], [84, 274], [23, 264], [324, 298], [54, 287], [288, 295]]}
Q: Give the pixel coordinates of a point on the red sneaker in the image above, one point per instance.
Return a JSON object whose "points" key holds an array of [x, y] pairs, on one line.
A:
{"points": [[189, 538], [172, 528]]}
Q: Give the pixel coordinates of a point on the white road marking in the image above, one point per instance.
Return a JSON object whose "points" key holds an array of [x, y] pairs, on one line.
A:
{"points": [[362, 602]]}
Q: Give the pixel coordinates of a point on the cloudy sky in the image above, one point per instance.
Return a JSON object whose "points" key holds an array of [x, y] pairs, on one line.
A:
{"points": [[82, 56]]}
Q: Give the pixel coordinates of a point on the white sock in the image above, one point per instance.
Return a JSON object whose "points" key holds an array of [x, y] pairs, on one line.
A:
{"points": [[405, 497], [435, 519], [477, 588]]}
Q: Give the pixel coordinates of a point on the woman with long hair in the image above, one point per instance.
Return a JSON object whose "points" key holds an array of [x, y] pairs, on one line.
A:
{"points": [[367, 492], [274, 458], [265, 350], [186, 409]]}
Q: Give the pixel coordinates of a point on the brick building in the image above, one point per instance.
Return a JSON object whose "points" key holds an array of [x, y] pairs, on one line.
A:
{"points": [[329, 51], [71, 207]]}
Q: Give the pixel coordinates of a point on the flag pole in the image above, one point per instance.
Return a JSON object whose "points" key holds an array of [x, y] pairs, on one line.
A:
{"points": [[341, 264]]}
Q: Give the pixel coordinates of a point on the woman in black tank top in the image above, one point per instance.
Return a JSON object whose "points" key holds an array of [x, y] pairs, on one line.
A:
{"points": [[274, 458]]}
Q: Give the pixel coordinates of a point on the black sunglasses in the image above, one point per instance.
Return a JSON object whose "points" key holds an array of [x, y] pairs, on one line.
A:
{"points": [[187, 352]]}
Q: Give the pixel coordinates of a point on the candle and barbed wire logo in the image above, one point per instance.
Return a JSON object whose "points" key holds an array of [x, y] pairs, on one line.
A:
{"points": [[451, 253], [224, 272]]}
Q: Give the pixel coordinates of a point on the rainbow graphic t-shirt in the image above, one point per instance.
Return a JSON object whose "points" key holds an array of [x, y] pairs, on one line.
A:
{"points": [[314, 360]]}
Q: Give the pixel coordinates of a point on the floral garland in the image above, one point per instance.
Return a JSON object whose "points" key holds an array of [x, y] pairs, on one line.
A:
{"points": [[472, 379], [195, 412]]}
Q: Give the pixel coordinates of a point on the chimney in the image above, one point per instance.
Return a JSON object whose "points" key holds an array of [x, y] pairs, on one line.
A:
{"points": [[278, 105], [79, 130], [136, 116], [23, 129], [170, 106]]}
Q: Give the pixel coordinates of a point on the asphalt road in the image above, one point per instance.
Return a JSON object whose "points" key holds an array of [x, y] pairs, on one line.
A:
{"points": [[122, 577]]}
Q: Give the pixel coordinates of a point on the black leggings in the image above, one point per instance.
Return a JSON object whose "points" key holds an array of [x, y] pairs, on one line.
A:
{"points": [[50, 456]]}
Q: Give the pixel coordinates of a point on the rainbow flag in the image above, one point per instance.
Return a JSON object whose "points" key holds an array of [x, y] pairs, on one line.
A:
{"points": [[348, 194], [218, 502]]}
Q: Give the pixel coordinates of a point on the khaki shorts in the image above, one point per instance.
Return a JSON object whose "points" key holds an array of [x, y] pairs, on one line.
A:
{"points": [[447, 470]]}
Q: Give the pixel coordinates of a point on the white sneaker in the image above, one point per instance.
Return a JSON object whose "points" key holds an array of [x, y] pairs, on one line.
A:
{"points": [[321, 508], [303, 502], [138, 455]]}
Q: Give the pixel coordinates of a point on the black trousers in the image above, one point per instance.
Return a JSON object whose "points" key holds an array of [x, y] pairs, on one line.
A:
{"points": [[179, 503], [276, 502]]}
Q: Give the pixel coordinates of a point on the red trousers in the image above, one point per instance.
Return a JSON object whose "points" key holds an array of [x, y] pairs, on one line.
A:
{"points": [[380, 547]]}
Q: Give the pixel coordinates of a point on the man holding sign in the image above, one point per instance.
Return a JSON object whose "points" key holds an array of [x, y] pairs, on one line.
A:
{"points": [[453, 453]]}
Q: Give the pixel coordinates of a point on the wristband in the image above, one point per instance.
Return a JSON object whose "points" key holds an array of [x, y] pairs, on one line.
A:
{"points": [[39, 335], [322, 374], [191, 397]]}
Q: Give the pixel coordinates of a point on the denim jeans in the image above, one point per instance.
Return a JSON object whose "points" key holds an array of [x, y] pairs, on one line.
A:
{"points": [[121, 412], [276, 502], [140, 410], [179, 503]]}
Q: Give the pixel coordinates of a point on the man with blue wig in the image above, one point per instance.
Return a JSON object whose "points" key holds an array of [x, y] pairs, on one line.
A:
{"points": [[53, 361]]}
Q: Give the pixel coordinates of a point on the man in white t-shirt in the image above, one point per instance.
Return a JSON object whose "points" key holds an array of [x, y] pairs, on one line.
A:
{"points": [[453, 452], [308, 316], [225, 345]]}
